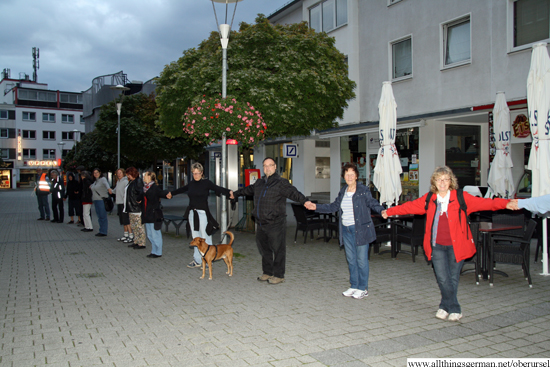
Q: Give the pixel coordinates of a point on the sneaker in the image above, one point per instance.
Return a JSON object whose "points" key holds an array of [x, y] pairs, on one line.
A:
{"points": [[129, 240], [455, 316], [40, 219], [70, 222], [193, 264], [349, 292], [265, 277], [359, 294], [275, 280], [122, 239], [441, 314]]}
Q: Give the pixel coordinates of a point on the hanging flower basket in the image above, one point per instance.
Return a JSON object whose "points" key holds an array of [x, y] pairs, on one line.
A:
{"points": [[209, 118]]}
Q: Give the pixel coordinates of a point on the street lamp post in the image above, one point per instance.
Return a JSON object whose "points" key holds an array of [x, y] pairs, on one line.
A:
{"points": [[75, 131], [224, 30], [60, 145], [121, 89]]}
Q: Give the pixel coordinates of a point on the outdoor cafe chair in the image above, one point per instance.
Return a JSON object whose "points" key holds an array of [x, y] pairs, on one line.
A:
{"points": [[474, 260], [306, 221], [411, 236], [509, 249]]}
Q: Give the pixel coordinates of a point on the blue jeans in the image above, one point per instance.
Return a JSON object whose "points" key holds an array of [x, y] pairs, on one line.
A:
{"points": [[43, 206], [358, 259], [101, 216], [447, 273], [155, 236], [201, 233]]}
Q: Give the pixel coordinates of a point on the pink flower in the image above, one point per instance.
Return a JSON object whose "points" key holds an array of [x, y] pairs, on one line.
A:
{"points": [[206, 134], [204, 118], [227, 129]]}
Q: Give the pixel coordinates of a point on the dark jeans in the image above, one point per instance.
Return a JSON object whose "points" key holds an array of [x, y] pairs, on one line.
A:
{"points": [[57, 204], [43, 206], [447, 273], [271, 242], [74, 207]]}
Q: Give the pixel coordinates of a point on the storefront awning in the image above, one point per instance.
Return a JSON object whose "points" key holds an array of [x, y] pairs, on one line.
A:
{"points": [[370, 127]]}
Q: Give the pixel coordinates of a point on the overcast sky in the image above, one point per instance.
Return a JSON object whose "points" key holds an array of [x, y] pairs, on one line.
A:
{"points": [[82, 39]]}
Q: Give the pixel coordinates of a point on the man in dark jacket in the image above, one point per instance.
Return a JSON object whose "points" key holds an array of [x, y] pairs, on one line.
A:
{"points": [[270, 194]]}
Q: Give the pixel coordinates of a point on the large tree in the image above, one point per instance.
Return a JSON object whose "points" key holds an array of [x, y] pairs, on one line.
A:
{"points": [[142, 142], [293, 75]]}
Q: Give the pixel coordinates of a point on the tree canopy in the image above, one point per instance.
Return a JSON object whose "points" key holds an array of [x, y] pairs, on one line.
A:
{"points": [[142, 141], [293, 75]]}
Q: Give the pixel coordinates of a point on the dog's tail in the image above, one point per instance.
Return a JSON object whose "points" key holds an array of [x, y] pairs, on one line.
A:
{"points": [[231, 237]]}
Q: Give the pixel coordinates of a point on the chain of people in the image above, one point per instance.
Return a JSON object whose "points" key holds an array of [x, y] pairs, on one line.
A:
{"points": [[447, 242]]}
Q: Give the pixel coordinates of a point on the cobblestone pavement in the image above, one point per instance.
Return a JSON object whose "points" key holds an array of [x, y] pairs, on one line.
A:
{"points": [[69, 298]]}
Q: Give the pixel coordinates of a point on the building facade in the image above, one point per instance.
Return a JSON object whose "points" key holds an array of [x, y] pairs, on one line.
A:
{"points": [[38, 127], [446, 64]]}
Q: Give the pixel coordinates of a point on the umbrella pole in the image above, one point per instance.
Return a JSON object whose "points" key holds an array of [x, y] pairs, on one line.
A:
{"points": [[544, 247]]}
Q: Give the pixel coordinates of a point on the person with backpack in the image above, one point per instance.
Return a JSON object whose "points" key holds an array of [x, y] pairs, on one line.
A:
{"points": [[447, 239]]}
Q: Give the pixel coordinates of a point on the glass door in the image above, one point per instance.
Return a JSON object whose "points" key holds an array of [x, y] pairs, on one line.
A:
{"points": [[462, 153]]}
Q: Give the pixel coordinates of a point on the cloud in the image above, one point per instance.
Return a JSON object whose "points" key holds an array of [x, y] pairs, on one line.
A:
{"points": [[82, 39]]}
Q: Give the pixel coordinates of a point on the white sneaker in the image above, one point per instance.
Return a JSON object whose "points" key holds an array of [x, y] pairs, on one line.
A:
{"points": [[455, 316], [358, 294], [441, 314], [349, 292]]}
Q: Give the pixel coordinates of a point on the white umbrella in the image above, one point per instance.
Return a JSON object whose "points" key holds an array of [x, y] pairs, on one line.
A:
{"points": [[500, 176], [538, 95], [388, 166]]}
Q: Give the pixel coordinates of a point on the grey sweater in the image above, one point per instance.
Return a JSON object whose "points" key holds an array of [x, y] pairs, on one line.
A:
{"points": [[100, 189]]}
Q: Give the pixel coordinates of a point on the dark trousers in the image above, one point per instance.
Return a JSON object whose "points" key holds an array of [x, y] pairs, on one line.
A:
{"points": [[43, 206], [58, 204], [271, 242]]}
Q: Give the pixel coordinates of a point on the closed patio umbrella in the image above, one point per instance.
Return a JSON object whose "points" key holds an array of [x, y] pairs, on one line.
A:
{"points": [[500, 175], [388, 166], [538, 102]]}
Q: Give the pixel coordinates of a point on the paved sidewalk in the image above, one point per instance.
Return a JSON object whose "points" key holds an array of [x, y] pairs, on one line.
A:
{"points": [[69, 298]]}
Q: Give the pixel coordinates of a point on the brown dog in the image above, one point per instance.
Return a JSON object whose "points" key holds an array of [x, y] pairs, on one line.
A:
{"points": [[211, 253]]}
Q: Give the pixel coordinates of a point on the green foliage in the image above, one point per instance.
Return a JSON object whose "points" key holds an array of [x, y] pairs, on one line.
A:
{"points": [[142, 142], [90, 154], [294, 76]]}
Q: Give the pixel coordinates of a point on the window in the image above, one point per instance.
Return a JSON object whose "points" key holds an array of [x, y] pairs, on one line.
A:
{"points": [[456, 42], [81, 119], [67, 135], [530, 21], [29, 116], [29, 134], [67, 119], [70, 98], [328, 15], [402, 58], [5, 153], [4, 114], [48, 135], [64, 153], [7, 133], [34, 95], [48, 117], [29, 153], [48, 153]]}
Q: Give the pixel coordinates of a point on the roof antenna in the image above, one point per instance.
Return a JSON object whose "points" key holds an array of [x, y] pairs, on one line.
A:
{"points": [[35, 63]]}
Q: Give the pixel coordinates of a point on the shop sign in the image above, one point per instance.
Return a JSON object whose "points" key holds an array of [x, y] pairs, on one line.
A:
{"points": [[7, 164], [290, 150], [19, 147], [41, 163], [521, 126]]}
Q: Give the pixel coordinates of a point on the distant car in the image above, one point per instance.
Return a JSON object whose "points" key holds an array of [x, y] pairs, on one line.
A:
{"points": [[524, 186]]}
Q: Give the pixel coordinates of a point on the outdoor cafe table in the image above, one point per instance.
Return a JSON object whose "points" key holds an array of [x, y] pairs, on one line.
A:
{"points": [[487, 228], [391, 222]]}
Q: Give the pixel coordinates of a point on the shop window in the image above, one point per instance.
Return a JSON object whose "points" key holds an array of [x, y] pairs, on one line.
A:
{"points": [[353, 149], [322, 167], [456, 42], [462, 153], [406, 142], [284, 165]]}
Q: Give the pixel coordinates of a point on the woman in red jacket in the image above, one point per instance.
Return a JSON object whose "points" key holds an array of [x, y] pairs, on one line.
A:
{"points": [[447, 239]]}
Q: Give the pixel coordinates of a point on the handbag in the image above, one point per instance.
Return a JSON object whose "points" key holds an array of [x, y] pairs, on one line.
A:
{"points": [[109, 205], [159, 217]]}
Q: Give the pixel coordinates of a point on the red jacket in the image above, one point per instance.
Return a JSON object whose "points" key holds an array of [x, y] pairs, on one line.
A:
{"points": [[463, 244]]}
